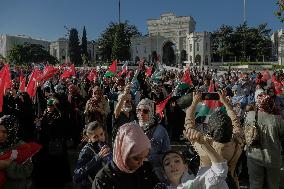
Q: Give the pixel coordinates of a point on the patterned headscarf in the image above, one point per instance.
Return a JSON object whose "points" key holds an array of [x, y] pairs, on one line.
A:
{"points": [[129, 142], [149, 105], [11, 124], [267, 104]]}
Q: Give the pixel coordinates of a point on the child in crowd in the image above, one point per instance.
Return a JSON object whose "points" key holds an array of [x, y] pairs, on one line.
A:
{"points": [[93, 156], [176, 169]]}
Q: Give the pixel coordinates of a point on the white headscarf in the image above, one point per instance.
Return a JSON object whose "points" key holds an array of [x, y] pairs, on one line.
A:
{"points": [[149, 105]]}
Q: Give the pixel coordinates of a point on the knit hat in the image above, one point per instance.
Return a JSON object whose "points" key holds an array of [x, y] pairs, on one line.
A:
{"points": [[50, 102]]}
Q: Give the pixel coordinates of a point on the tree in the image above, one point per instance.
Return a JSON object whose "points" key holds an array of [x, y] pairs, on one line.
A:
{"points": [[29, 53], [74, 48], [84, 45], [221, 42], [120, 50], [279, 12], [107, 40], [242, 42]]}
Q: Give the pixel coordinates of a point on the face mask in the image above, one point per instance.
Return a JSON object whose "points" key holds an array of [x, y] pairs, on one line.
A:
{"points": [[144, 124]]}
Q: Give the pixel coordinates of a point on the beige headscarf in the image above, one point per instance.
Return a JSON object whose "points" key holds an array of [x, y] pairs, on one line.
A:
{"points": [[130, 141]]}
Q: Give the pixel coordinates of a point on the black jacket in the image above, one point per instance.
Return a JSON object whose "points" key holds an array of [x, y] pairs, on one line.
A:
{"points": [[111, 177]]}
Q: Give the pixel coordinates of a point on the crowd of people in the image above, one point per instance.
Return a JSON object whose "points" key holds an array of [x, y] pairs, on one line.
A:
{"points": [[125, 127]]}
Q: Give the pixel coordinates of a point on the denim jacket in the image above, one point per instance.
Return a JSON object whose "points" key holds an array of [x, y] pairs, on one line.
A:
{"points": [[88, 164], [160, 143]]}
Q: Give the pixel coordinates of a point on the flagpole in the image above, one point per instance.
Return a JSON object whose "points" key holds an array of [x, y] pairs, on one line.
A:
{"points": [[245, 11], [119, 11]]}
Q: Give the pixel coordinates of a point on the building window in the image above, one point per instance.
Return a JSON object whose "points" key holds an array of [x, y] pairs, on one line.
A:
{"points": [[136, 49], [197, 46], [145, 50], [190, 47], [190, 58], [206, 46]]}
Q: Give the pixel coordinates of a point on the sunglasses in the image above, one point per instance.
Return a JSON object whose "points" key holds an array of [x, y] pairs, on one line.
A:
{"points": [[144, 111]]}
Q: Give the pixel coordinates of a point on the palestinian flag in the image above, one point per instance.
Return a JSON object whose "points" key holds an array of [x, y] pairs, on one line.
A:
{"points": [[161, 106], [124, 69], [112, 70], [186, 78], [208, 106]]}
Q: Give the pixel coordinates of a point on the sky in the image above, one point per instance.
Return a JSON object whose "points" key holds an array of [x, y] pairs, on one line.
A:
{"points": [[46, 18]]}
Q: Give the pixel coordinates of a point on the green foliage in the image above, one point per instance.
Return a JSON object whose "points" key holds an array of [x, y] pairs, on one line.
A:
{"points": [[242, 63], [29, 53], [279, 12], [119, 36], [84, 45], [243, 42], [276, 67], [120, 50], [74, 48]]}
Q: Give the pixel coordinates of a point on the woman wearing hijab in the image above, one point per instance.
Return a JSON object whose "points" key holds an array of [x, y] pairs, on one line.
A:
{"points": [[264, 158], [51, 163], [128, 169], [156, 133], [17, 175]]}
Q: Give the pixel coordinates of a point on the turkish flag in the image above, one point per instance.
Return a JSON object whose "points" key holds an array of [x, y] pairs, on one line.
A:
{"points": [[48, 72], [22, 83], [68, 72], [24, 152], [2, 85], [93, 74], [8, 81], [31, 87]]}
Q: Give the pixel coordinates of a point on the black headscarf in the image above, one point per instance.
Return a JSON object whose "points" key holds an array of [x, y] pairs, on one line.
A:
{"points": [[11, 124], [220, 126]]}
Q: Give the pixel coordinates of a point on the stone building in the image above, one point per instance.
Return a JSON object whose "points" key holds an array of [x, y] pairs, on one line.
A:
{"points": [[59, 49], [8, 41], [277, 39], [198, 46], [169, 37]]}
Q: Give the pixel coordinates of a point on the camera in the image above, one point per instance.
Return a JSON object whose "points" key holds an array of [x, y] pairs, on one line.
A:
{"points": [[210, 96]]}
